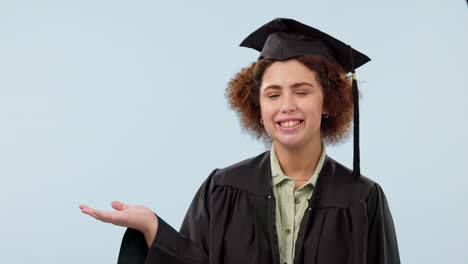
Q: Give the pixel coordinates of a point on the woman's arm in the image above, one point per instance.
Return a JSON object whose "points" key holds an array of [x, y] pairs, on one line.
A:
{"points": [[382, 246], [151, 231], [190, 245]]}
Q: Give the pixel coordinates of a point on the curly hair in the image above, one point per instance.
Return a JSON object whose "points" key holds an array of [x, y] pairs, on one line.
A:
{"points": [[243, 95]]}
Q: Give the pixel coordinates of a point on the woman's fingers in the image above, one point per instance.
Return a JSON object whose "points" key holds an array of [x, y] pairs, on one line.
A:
{"points": [[137, 217], [89, 211], [104, 216], [114, 217], [99, 215], [119, 206]]}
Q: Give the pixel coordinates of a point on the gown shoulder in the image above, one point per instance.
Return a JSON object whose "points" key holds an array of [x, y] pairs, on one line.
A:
{"points": [[251, 175]]}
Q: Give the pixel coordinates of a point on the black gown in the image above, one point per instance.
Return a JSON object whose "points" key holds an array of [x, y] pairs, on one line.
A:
{"points": [[231, 220]]}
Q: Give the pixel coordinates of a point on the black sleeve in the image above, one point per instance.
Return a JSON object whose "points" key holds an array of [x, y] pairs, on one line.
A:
{"points": [[382, 242], [190, 245]]}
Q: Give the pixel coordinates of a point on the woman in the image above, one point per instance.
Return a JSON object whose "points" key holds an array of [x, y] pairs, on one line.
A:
{"points": [[293, 203]]}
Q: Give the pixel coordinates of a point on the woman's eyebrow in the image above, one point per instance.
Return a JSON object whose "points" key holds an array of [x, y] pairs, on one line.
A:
{"points": [[296, 85]]}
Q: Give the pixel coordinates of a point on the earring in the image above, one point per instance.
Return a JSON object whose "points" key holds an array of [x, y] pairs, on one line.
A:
{"points": [[261, 120], [325, 115]]}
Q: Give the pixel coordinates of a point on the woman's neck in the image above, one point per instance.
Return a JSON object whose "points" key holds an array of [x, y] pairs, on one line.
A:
{"points": [[299, 163]]}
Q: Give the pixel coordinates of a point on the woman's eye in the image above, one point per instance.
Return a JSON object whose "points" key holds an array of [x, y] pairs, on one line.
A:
{"points": [[272, 95], [303, 93]]}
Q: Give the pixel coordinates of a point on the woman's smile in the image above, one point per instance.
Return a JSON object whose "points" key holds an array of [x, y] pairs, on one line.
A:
{"points": [[289, 126]]}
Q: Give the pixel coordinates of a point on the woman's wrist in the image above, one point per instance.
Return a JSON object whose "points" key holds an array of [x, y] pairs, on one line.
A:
{"points": [[151, 230]]}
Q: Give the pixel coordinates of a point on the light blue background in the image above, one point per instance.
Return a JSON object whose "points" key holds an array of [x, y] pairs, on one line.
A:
{"points": [[124, 100]]}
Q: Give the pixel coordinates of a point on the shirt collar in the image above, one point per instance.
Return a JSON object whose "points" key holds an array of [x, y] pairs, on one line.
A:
{"points": [[278, 175]]}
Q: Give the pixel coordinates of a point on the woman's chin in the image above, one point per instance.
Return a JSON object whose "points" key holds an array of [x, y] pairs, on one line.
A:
{"points": [[290, 142]]}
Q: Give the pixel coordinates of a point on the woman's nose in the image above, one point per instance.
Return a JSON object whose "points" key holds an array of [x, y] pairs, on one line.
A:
{"points": [[288, 104]]}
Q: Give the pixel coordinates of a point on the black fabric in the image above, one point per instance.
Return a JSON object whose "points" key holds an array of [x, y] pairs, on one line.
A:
{"points": [[231, 220], [283, 38]]}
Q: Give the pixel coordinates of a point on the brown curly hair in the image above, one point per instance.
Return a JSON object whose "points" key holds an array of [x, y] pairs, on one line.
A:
{"points": [[243, 94]]}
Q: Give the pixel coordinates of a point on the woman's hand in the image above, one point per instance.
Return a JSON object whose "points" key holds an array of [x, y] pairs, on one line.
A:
{"points": [[133, 216]]}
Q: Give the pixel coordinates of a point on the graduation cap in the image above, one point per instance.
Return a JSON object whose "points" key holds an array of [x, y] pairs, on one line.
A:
{"points": [[284, 38]]}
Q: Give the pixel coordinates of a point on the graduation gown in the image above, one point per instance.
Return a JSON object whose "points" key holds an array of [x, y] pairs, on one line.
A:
{"points": [[231, 220]]}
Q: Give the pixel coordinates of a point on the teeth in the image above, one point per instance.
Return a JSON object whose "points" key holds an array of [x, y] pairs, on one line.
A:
{"points": [[289, 123]]}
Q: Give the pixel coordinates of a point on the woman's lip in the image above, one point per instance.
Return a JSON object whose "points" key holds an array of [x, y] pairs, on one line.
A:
{"points": [[289, 129], [289, 119]]}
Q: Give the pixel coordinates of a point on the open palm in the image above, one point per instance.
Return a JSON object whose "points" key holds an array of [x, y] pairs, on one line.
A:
{"points": [[133, 216]]}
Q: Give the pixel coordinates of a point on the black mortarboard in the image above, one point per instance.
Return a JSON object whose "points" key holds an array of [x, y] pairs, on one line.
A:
{"points": [[283, 38]]}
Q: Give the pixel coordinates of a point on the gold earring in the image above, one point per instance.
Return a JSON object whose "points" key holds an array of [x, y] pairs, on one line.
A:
{"points": [[325, 115], [261, 120]]}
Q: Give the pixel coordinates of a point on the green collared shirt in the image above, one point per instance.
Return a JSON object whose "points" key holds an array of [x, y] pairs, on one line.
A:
{"points": [[290, 204]]}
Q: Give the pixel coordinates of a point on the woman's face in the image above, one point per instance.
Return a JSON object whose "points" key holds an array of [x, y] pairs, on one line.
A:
{"points": [[291, 103]]}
